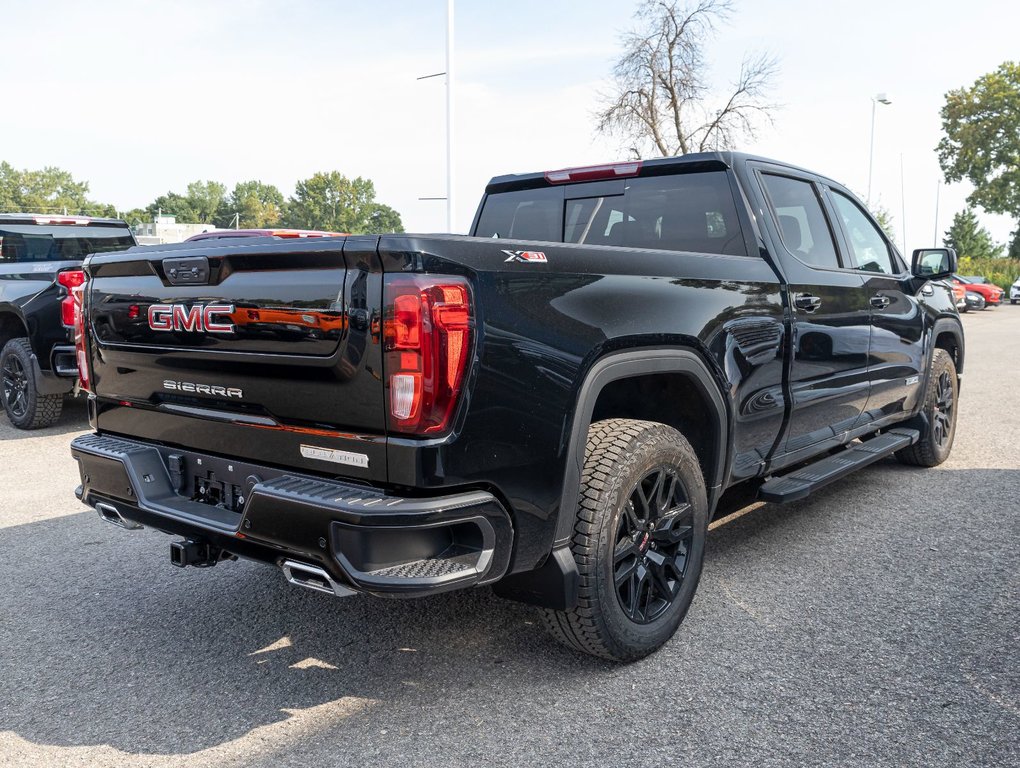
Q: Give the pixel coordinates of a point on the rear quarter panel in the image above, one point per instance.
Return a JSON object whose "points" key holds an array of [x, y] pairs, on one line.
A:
{"points": [[542, 325]]}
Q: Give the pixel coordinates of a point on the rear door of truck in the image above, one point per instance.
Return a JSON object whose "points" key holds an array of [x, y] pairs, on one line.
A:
{"points": [[265, 351]]}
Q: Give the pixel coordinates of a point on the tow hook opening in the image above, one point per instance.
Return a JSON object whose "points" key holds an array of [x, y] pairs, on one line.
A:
{"points": [[200, 554]]}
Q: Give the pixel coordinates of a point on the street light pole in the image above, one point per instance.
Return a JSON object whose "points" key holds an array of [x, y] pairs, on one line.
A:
{"points": [[450, 217], [879, 98], [903, 203], [935, 236]]}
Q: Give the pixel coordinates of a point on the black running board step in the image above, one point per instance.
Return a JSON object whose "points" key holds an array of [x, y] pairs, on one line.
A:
{"points": [[809, 479]]}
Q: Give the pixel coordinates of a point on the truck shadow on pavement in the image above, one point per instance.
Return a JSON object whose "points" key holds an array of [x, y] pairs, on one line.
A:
{"points": [[104, 644]]}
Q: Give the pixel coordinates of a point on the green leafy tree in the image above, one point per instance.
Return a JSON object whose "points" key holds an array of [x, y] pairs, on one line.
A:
{"points": [[172, 204], [10, 188], [982, 139], [201, 205], [384, 219], [331, 201], [206, 198], [135, 216], [969, 238], [50, 190], [1014, 245], [884, 219], [257, 205]]}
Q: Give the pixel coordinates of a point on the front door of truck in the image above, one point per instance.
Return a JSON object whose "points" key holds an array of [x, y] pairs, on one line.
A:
{"points": [[896, 351], [830, 315]]}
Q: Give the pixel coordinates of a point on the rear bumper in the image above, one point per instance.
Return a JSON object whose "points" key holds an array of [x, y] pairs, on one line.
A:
{"points": [[364, 538]]}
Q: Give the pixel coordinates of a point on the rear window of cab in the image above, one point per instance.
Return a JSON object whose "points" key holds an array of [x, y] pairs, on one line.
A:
{"points": [[28, 243], [679, 212]]}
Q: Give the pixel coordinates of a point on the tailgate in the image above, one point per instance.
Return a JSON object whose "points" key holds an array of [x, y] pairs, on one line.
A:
{"points": [[262, 351]]}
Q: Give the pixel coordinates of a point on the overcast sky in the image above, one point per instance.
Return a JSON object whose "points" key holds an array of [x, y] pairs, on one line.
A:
{"points": [[140, 98]]}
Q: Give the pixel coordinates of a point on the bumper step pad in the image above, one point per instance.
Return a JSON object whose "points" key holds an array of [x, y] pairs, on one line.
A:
{"points": [[430, 568], [805, 481]]}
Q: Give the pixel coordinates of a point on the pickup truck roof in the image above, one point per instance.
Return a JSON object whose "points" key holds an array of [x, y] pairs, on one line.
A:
{"points": [[280, 234], [699, 161], [49, 219]]}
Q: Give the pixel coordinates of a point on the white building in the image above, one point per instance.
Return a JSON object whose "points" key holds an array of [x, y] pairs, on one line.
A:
{"points": [[165, 229]]}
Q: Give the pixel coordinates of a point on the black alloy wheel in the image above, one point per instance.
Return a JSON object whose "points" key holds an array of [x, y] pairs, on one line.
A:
{"points": [[15, 387], [653, 544], [24, 405], [936, 422], [942, 421], [638, 541]]}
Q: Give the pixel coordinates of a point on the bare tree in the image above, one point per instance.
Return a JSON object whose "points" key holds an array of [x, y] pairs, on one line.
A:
{"points": [[662, 102]]}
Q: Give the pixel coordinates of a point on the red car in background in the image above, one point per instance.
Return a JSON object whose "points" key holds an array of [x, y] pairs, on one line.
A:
{"points": [[222, 234], [959, 296], [992, 294]]}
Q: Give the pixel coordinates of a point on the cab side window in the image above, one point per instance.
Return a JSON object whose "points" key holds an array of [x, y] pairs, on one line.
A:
{"points": [[802, 223], [868, 246]]}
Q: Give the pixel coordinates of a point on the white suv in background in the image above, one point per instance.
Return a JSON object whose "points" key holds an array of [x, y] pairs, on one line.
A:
{"points": [[1014, 291]]}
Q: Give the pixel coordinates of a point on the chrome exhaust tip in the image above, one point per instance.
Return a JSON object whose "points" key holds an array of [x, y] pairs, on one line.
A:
{"points": [[313, 577], [109, 513]]}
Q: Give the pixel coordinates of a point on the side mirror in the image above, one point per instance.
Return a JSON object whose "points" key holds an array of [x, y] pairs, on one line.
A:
{"points": [[933, 263]]}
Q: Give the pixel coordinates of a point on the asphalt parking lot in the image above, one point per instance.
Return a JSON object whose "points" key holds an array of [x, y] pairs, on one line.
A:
{"points": [[875, 624]]}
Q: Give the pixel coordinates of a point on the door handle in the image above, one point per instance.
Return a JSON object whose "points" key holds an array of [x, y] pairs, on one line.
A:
{"points": [[880, 302], [807, 302]]}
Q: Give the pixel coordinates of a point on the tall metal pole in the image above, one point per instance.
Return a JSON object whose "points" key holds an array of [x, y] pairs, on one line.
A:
{"points": [[935, 235], [871, 151], [878, 98], [450, 216], [903, 203]]}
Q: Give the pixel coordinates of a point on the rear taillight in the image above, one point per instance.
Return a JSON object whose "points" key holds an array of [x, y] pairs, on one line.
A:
{"points": [[78, 318], [427, 341], [69, 279]]}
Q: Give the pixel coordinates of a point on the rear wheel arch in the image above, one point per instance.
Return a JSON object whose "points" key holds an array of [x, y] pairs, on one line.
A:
{"points": [[609, 390], [12, 325]]}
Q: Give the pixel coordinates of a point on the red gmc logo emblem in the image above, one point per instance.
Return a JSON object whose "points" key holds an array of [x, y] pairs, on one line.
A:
{"points": [[198, 317]]}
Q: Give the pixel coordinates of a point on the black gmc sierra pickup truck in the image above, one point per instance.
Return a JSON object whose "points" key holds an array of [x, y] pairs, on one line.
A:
{"points": [[555, 406], [40, 266]]}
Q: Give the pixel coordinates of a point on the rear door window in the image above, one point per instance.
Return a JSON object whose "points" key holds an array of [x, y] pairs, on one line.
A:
{"points": [[802, 224], [679, 212], [527, 214]]}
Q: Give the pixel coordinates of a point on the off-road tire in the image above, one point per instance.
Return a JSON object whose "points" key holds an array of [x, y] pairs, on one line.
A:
{"points": [[32, 410], [936, 441], [620, 454]]}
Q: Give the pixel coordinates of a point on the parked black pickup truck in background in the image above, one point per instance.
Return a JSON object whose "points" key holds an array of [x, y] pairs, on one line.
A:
{"points": [[556, 406], [40, 266]]}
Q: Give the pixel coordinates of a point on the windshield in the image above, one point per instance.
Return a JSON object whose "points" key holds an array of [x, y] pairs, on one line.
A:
{"points": [[678, 212], [19, 243]]}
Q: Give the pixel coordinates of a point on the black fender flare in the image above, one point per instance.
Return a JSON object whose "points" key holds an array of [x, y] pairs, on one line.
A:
{"points": [[943, 324], [953, 326], [628, 364]]}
